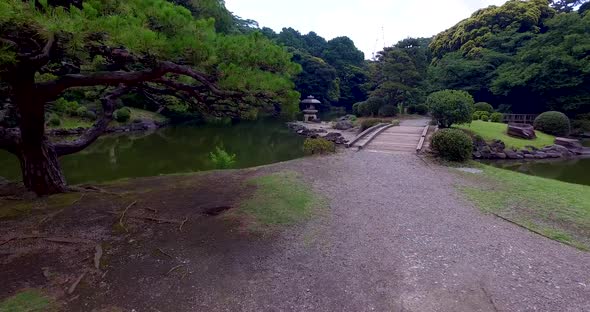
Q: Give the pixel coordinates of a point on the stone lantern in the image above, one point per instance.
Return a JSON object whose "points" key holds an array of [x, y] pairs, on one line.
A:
{"points": [[310, 112]]}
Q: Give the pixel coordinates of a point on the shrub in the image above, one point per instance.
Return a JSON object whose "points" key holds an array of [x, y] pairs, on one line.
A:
{"points": [[421, 109], [483, 106], [54, 121], [452, 144], [388, 111], [355, 108], [373, 104], [369, 122], [64, 106], [480, 115], [553, 122], [449, 107], [122, 114], [412, 109], [81, 111], [580, 126], [497, 117], [221, 158], [318, 146], [484, 116]]}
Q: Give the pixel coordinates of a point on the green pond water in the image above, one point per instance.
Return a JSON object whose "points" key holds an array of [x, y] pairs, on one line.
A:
{"points": [[573, 170], [173, 150]]}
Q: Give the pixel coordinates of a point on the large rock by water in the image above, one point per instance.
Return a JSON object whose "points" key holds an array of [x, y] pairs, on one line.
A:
{"points": [[343, 125], [522, 131]]}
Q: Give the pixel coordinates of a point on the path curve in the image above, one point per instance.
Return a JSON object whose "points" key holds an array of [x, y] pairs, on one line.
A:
{"points": [[399, 237]]}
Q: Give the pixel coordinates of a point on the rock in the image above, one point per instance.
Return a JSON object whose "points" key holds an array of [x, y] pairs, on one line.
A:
{"points": [[521, 131], [347, 118], [568, 143], [501, 155], [335, 137], [529, 156], [477, 155], [541, 155], [343, 125], [525, 152], [511, 154], [553, 155]]}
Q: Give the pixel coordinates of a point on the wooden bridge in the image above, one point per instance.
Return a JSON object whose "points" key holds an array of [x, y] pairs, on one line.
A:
{"points": [[519, 118], [408, 137]]}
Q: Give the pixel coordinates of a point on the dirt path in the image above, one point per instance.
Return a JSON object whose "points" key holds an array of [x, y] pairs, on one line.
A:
{"points": [[399, 238]]}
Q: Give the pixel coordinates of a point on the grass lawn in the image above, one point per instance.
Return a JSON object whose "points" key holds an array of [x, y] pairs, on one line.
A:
{"points": [[137, 113], [492, 130], [555, 209], [280, 199], [29, 300], [72, 123]]}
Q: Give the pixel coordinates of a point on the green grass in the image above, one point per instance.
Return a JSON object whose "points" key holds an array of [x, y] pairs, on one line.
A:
{"points": [[556, 209], [280, 199], [492, 130], [28, 301], [73, 123], [137, 113]]}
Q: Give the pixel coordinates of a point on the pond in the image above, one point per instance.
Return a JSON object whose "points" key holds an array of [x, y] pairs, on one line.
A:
{"points": [[571, 170], [173, 150]]}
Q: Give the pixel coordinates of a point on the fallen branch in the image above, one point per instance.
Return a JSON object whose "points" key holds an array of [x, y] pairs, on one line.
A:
{"points": [[75, 284], [164, 253], [97, 256], [123, 215], [182, 224], [174, 268]]}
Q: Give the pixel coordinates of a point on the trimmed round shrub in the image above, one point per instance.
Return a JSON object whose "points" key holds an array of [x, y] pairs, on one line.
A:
{"points": [[497, 117], [483, 106], [421, 109], [355, 108], [388, 111], [318, 146], [368, 123], [484, 116], [450, 107], [552, 122], [478, 115], [122, 114], [54, 121], [452, 144]]}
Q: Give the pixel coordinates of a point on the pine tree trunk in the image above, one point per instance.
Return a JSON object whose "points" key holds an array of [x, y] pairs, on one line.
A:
{"points": [[41, 170]]}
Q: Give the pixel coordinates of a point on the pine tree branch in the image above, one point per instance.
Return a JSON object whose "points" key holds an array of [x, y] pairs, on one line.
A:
{"points": [[99, 127]]}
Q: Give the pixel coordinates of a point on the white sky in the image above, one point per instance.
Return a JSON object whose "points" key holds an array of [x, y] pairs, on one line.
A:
{"points": [[361, 20]]}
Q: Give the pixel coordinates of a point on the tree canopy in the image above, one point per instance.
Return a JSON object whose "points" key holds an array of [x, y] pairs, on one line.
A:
{"points": [[149, 46]]}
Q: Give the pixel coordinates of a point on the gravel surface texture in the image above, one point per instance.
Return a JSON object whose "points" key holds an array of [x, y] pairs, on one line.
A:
{"points": [[398, 237]]}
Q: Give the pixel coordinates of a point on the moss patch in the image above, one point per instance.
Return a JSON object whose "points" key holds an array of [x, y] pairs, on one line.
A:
{"points": [[497, 131], [16, 208], [31, 300], [556, 209], [280, 199]]}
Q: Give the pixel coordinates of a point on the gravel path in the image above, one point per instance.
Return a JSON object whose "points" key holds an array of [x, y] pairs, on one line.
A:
{"points": [[398, 237]]}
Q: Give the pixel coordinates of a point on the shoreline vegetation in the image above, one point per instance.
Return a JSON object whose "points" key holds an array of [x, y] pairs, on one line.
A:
{"points": [[555, 209]]}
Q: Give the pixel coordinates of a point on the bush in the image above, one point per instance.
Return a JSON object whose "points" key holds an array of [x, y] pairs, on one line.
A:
{"points": [[355, 108], [553, 122], [412, 109], [54, 121], [580, 126], [122, 114], [318, 146], [484, 116], [497, 117], [66, 107], [81, 111], [368, 123], [449, 107], [388, 111], [483, 106], [480, 115], [221, 158], [421, 109], [452, 144]]}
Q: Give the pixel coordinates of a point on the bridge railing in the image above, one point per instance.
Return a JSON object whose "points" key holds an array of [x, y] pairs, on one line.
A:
{"points": [[520, 118]]}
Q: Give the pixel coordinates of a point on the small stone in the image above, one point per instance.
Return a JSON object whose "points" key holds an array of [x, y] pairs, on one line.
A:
{"points": [[501, 155], [529, 156]]}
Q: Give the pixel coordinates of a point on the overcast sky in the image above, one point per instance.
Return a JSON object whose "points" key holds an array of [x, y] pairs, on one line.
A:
{"points": [[366, 22]]}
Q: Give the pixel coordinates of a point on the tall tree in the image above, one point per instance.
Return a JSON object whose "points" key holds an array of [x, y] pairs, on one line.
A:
{"points": [[136, 44]]}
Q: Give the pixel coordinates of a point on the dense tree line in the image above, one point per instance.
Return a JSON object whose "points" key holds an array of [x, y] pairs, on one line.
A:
{"points": [[524, 56], [334, 70]]}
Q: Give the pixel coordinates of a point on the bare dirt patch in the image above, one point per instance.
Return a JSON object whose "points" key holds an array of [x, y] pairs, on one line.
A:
{"points": [[130, 243]]}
